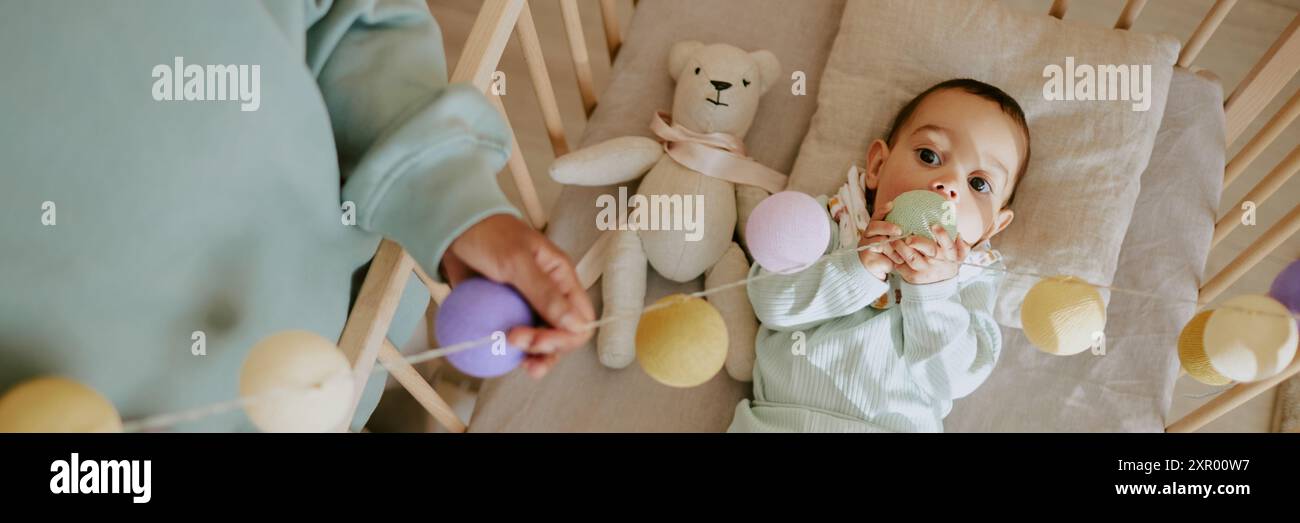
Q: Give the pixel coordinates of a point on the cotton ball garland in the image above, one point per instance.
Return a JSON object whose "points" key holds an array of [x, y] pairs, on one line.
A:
{"points": [[1286, 287], [1250, 338], [54, 404], [682, 345], [1191, 352], [916, 211], [1063, 315], [296, 381], [787, 232], [478, 308]]}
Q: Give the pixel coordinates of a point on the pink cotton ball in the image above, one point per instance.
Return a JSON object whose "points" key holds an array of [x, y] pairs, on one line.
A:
{"points": [[787, 232]]}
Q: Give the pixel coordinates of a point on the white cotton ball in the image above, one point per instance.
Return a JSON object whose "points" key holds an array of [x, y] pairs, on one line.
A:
{"points": [[1250, 338], [296, 381]]}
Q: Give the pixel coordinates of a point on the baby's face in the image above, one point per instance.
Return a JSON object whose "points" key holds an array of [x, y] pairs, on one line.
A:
{"points": [[960, 146]]}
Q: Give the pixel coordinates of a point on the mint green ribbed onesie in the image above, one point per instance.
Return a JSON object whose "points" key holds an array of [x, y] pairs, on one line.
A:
{"points": [[827, 360]]}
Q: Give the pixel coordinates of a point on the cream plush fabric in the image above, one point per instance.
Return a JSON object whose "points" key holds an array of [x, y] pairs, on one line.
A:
{"points": [[1077, 198]]}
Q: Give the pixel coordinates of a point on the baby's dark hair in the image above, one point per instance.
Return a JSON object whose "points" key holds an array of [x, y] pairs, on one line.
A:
{"points": [[982, 90]]}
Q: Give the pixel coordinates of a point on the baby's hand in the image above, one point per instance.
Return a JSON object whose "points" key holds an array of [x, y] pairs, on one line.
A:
{"points": [[879, 258], [929, 261]]}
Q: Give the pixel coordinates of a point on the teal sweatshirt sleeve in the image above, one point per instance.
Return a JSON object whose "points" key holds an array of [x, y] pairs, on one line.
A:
{"points": [[419, 157], [950, 340], [834, 286]]}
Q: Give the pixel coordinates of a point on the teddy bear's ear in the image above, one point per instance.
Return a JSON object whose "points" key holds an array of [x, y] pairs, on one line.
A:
{"points": [[768, 66], [680, 54]]}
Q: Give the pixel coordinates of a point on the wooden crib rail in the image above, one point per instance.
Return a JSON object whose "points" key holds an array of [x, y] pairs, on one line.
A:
{"points": [[1265, 80], [364, 339]]}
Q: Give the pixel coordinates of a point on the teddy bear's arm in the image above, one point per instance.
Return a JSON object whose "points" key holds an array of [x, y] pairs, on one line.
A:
{"points": [[747, 197], [616, 160]]}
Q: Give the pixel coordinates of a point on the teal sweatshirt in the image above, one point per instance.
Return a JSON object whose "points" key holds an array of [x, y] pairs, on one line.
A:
{"points": [[134, 222], [830, 357]]}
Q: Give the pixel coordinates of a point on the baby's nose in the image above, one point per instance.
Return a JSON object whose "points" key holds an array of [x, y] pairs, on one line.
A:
{"points": [[721, 86], [945, 189]]}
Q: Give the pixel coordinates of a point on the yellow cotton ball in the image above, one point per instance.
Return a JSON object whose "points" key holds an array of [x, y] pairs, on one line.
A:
{"points": [[1191, 352], [1250, 338], [296, 381], [682, 345], [1063, 315], [54, 404]]}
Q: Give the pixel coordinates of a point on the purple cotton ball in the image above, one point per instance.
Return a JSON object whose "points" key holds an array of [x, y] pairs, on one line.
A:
{"points": [[475, 309], [787, 232], [1286, 288]]}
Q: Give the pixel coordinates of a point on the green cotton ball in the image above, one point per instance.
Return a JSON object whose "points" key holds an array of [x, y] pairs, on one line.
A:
{"points": [[916, 211]]}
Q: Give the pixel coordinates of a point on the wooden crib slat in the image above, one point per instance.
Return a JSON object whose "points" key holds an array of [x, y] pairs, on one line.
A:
{"points": [[367, 324], [413, 382], [578, 50], [1127, 17], [487, 40], [1058, 9], [519, 173], [1204, 31], [532, 46], [438, 291], [1263, 82], [1262, 140], [1230, 399], [1261, 192], [1270, 240], [613, 38]]}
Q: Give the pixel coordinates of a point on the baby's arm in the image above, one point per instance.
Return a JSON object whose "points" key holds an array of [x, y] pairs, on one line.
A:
{"points": [[950, 340], [835, 285]]}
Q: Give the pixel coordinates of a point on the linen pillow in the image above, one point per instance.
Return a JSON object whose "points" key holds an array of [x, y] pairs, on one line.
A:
{"points": [[1076, 199]]}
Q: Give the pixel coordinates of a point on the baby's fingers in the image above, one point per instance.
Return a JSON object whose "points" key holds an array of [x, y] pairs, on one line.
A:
{"points": [[882, 211], [882, 245], [912, 258], [881, 228], [946, 247], [923, 245]]}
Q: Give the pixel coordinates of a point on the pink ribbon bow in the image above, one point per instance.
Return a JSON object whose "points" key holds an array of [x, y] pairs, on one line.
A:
{"points": [[719, 155]]}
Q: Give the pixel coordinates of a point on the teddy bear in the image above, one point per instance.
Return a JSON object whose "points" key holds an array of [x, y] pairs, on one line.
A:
{"points": [[699, 154]]}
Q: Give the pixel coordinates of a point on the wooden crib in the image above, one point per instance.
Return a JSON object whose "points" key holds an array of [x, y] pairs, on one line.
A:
{"points": [[363, 339]]}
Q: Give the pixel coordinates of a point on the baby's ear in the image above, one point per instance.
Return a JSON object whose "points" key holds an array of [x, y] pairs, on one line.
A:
{"points": [[769, 68], [680, 54], [876, 156]]}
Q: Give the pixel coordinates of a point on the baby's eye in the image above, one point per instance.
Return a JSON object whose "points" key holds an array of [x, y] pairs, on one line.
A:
{"points": [[980, 185], [927, 156]]}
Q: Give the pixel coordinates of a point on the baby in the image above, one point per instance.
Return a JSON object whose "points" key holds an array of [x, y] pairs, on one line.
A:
{"points": [[885, 338]]}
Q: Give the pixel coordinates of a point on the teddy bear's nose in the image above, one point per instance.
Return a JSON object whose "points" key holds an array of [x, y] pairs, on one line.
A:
{"points": [[721, 86]]}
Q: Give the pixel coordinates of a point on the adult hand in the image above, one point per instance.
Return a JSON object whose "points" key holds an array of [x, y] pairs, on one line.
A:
{"points": [[504, 249]]}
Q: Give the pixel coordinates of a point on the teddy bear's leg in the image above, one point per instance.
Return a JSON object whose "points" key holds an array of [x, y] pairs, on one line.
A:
{"points": [[747, 197], [737, 313], [623, 290]]}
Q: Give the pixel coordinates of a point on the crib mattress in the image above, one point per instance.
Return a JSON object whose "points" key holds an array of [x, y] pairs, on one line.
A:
{"points": [[1128, 388]]}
